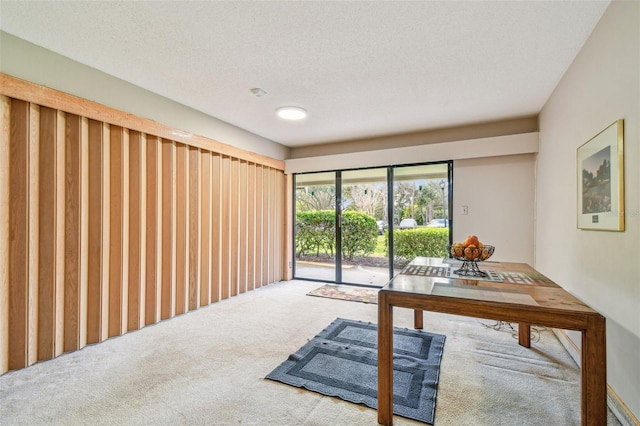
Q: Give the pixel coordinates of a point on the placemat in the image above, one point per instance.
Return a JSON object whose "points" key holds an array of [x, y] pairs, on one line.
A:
{"points": [[447, 272], [492, 276]]}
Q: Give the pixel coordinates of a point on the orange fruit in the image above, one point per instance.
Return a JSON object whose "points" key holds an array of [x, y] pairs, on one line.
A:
{"points": [[471, 240]]}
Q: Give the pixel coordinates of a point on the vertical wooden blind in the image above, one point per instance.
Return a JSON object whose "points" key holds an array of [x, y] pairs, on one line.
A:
{"points": [[105, 229]]}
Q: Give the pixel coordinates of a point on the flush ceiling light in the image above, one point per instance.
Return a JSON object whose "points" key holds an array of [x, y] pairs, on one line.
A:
{"points": [[291, 113]]}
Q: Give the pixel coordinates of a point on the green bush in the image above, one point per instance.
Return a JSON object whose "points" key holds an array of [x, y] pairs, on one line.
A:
{"points": [[426, 242], [359, 234], [315, 233]]}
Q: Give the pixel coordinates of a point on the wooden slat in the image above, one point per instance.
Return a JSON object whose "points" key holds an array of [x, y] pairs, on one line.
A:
{"points": [[118, 275], [137, 227], [234, 249], [193, 254], [72, 232], [273, 220], [20, 89], [280, 213], [251, 227], [266, 226], [182, 229], [216, 220], [274, 225], [59, 225], [5, 125], [288, 229], [259, 226], [19, 226], [97, 247], [205, 228], [33, 243], [105, 207], [242, 222], [225, 229], [84, 229], [168, 230], [154, 230], [275, 258]]}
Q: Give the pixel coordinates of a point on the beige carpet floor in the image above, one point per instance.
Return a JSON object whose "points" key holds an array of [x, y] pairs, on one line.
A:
{"points": [[207, 368]]}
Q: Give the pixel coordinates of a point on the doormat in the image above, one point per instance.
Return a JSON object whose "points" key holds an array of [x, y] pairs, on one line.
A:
{"points": [[347, 292], [342, 361]]}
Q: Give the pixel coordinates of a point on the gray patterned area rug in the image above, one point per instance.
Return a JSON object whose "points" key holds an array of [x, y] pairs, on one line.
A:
{"points": [[342, 361]]}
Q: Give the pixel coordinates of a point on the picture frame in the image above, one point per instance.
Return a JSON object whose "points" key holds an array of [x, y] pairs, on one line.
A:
{"points": [[600, 168]]}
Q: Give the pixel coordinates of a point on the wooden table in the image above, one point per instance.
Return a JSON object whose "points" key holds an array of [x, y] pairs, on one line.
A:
{"points": [[525, 296]]}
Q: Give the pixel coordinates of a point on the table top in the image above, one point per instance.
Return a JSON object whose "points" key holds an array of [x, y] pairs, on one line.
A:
{"points": [[509, 284]]}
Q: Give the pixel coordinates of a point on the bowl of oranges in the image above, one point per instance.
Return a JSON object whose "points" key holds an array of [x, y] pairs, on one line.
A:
{"points": [[470, 252]]}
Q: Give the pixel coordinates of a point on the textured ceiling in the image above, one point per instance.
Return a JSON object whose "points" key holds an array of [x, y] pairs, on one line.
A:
{"points": [[360, 68]]}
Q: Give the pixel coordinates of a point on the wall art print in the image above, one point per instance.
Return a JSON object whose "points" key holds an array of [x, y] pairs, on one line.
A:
{"points": [[601, 180]]}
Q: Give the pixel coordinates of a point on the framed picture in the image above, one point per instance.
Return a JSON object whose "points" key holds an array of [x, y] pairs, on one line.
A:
{"points": [[601, 180]]}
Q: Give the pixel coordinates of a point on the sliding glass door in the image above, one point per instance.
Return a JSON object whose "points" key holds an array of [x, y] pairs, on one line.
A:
{"points": [[315, 226], [420, 211], [349, 224], [364, 221]]}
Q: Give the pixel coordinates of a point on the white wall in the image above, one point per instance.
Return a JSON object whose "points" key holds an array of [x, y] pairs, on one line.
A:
{"points": [[27, 61], [499, 193], [521, 143], [601, 268]]}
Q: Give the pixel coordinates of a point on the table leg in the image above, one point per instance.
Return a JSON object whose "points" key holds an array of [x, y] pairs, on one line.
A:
{"points": [[417, 319], [524, 335], [385, 361], [594, 373]]}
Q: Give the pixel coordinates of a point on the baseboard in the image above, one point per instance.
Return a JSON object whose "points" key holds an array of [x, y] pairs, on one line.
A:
{"points": [[620, 409], [615, 404]]}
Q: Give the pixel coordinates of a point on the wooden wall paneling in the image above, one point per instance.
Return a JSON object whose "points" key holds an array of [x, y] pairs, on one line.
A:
{"points": [[153, 233], [243, 225], [216, 228], [259, 281], [234, 247], [72, 232], [194, 228], [80, 264], [119, 244], [33, 243], [182, 228], [251, 226], [19, 226], [205, 228], [225, 228], [137, 230], [168, 230], [5, 125]]}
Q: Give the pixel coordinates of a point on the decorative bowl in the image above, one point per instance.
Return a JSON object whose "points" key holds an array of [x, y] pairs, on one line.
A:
{"points": [[470, 253], [470, 256]]}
